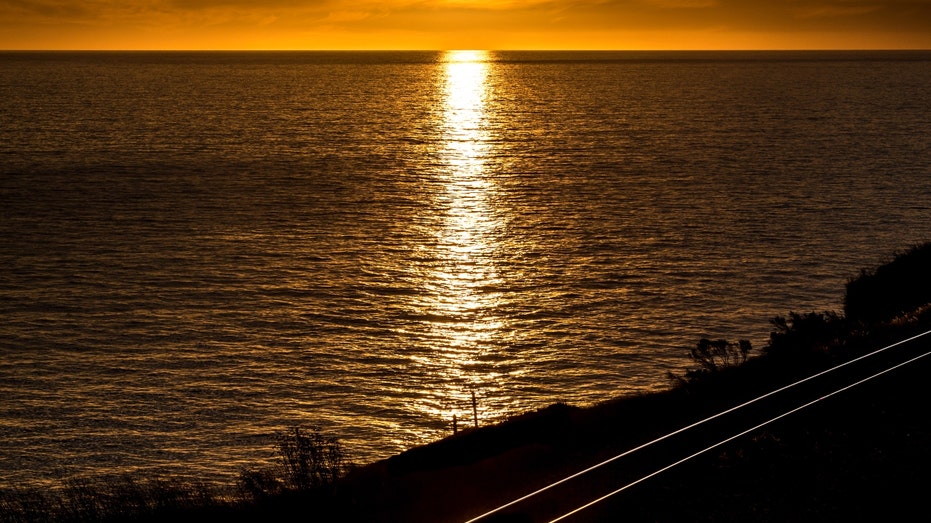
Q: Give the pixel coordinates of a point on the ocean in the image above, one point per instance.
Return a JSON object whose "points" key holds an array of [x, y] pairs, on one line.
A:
{"points": [[200, 249]]}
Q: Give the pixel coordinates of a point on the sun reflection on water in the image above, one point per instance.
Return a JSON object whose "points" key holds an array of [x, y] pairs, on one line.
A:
{"points": [[460, 290]]}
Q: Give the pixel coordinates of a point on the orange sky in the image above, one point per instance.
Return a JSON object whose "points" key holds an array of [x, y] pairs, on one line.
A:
{"points": [[458, 24]]}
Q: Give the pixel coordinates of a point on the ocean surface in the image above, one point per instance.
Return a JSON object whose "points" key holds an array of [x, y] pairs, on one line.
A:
{"points": [[200, 249]]}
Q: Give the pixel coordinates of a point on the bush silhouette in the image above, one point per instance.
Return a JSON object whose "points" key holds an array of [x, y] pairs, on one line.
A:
{"points": [[307, 460], [310, 459], [800, 334], [714, 355]]}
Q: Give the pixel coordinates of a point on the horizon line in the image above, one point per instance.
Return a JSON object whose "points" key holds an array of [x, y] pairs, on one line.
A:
{"points": [[439, 50]]}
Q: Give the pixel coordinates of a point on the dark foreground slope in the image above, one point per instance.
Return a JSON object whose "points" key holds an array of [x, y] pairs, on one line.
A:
{"points": [[853, 454], [860, 454]]}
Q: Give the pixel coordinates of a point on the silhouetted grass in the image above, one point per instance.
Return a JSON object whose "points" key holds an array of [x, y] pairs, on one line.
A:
{"points": [[124, 499], [309, 465]]}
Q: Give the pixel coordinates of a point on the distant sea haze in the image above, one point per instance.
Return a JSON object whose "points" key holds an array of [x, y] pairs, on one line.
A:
{"points": [[200, 249]]}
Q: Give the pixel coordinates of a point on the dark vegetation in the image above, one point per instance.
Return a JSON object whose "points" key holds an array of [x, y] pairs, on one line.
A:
{"points": [[860, 455], [898, 287], [713, 356], [308, 467], [308, 461]]}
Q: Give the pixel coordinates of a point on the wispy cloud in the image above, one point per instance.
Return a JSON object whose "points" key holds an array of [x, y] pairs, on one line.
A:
{"points": [[835, 10], [683, 4], [48, 8]]}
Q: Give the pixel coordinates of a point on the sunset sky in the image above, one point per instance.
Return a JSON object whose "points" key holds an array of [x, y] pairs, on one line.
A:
{"points": [[459, 24]]}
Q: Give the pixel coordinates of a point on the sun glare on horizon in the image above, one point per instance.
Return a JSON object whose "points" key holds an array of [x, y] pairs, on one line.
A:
{"points": [[465, 56]]}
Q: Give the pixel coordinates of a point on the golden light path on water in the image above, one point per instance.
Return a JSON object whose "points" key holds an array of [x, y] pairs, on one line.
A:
{"points": [[460, 291]]}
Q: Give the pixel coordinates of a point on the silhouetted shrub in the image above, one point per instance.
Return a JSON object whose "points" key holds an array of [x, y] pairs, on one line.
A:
{"points": [[714, 355], [801, 334], [307, 460], [899, 286], [310, 459]]}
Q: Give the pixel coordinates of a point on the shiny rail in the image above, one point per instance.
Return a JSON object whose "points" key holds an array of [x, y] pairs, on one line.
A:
{"points": [[708, 419]]}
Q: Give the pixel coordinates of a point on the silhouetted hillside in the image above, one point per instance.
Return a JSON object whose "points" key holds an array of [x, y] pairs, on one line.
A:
{"points": [[860, 454], [897, 287]]}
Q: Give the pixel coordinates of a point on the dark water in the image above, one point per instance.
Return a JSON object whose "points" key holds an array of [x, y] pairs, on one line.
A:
{"points": [[200, 249]]}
